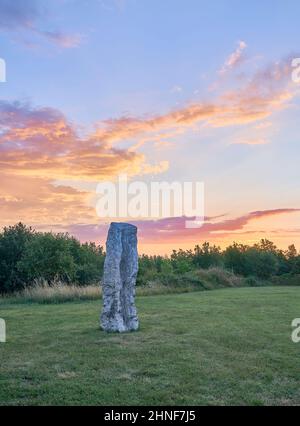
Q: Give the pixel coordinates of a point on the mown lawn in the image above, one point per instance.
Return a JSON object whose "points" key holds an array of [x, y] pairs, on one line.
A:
{"points": [[224, 347]]}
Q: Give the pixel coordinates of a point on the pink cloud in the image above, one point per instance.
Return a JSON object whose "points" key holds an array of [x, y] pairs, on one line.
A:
{"points": [[235, 59], [172, 230]]}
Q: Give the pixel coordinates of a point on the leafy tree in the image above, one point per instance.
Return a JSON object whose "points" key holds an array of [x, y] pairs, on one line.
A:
{"points": [[207, 256], [261, 263], [152, 267], [182, 260], [235, 259], [293, 260], [59, 256], [266, 246], [13, 241], [89, 261], [260, 260], [48, 256]]}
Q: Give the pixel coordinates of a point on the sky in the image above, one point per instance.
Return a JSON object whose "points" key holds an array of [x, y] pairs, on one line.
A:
{"points": [[173, 90]]}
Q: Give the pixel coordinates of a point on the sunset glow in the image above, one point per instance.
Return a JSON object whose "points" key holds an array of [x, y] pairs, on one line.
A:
{"points": [[94, 92]]}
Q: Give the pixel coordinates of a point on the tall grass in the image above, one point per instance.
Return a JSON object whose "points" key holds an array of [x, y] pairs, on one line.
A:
{"points": [[58, 292], [216, 277]]}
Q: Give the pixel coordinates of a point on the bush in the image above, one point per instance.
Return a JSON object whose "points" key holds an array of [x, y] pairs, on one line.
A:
{"points": [[251, 261], [26, 256], [252, 282], [286, 279], [207, 256], [49, 257], [12, 247]]}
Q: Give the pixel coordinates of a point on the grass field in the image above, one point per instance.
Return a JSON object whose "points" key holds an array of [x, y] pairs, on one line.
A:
{"points": [[229, 346]]}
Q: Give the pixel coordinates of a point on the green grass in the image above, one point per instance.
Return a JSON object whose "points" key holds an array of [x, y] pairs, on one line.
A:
{"points": [[230, 346]]}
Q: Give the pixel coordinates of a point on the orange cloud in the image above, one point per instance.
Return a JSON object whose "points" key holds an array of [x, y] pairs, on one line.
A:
{"points": [[254, 142], [267, 92], [36, 201], [41, 143], [39, 146]]}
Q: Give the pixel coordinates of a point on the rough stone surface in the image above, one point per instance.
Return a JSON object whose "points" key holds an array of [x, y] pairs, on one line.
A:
{"points": [[120, 271]]}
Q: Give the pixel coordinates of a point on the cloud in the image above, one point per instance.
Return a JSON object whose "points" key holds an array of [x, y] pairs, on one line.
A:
{"points": [[176, 89], [252, 141], [266, 92], [26, 15], [18, 14], [235, 59], [38, 147], [172, 230], [66, 41], [264, 125], [41, 143], [37, 201]]}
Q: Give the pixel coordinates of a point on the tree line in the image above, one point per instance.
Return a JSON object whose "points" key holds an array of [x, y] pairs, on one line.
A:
{"points": [[260, 261], [27, 256]]}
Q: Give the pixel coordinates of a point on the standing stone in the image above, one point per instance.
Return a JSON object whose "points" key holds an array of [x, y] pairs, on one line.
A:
{"points": [[120, 271]]}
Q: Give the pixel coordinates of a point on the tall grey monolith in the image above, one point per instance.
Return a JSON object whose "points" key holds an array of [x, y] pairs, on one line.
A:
{"points": [[120, 271]]}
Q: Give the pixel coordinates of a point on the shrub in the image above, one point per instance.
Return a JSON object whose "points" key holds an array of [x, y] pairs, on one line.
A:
{"points": [[286, 279], [26, 256], [207, 256], [49, 257], [251, 261], [13, 241]]}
